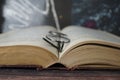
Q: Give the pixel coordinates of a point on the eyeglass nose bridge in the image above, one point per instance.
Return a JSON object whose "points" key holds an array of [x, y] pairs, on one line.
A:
{"points": [[56, 33]]}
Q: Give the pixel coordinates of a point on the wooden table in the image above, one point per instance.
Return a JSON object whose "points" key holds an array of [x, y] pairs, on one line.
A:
{"points": [[57, 74]]}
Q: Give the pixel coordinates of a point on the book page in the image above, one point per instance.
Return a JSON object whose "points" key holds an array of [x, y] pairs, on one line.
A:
{"points": [[30, 36], [79, 34]]}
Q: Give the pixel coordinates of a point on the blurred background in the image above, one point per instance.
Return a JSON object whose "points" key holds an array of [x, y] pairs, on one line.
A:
{"points": [[97, 14]]}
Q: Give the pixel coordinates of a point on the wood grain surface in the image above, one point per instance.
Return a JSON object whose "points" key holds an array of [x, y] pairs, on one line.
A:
{"points": [[58, 74]]}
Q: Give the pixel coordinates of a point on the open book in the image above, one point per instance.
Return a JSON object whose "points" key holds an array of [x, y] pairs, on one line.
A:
{"points": [[87, 48]]}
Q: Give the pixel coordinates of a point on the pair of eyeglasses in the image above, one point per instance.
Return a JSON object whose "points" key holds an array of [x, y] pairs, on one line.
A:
{"points": [[56, 37]]}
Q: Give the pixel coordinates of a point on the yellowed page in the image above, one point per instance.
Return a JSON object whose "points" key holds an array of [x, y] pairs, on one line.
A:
{"points": [[79, 34], [29, 36]]}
